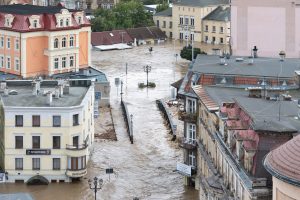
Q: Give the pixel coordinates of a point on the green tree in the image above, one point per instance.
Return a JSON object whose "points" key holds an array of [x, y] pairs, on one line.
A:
{"points": [[186, 52], [162, 6]]}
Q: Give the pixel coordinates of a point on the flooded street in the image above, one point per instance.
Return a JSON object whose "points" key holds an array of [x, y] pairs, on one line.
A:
{"points": [[145, 169]]}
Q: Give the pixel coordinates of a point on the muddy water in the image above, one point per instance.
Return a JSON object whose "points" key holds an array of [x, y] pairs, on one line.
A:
{"points": [[144, 169]]}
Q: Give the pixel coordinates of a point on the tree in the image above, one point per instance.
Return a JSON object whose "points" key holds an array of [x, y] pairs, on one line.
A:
{"points": [[162, 7], [186, 52]]}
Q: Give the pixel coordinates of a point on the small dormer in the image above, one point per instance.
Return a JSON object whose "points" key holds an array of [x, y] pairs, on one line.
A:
{"points": [[34, 21], [9, 18], [79, 17], [63, 19]]}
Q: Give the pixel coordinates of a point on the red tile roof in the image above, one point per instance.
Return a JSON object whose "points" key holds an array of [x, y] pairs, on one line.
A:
{"points": [[110, 37], [284, 162], [210, 104]]}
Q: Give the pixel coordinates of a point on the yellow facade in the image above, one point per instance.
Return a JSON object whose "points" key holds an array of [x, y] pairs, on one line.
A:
{"points": [[165, 24]]}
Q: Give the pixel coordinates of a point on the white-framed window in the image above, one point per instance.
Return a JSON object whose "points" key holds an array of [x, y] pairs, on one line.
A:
{"points": [[61, 23], [191, 106], [1, 41], [56, 63], [71, 61], [192, 159], [35, 23], [79, 20], [17, 64], [1, 61], [17, 44], [214, 29], [186, 20], [67, 22], [63, 62], [221, 29], [8, 42], [71, 41], [8, 62], [191, 134], [56, 43], [192, 21], [63, 42], [192, 36], [206, 28], [221, 40], [180, 19], [181, 36]]}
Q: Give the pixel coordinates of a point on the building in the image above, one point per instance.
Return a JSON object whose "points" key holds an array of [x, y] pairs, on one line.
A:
{"points": [[229, 130], [216, 26], [47, 129], [187, 17], [268, 25], [283, 164], [163, 20], [38, 40], [146, 35]]}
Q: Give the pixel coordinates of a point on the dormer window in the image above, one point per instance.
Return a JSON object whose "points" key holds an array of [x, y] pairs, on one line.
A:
{"points": [[61, 23], [79, 20], [79, 17], [34, 21], [63, 18], [8, 20]]}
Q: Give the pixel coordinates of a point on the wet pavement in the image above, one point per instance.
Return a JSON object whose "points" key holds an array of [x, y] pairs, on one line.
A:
{"points": [[145, 169]]}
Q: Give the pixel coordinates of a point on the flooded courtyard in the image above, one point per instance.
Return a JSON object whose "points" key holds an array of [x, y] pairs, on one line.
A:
{"points": [[145, 169]]}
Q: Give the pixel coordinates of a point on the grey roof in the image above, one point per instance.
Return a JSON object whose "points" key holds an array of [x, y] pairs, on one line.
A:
{"points": [[16, 196], [166, 13], [265, 113], [221, 13], [200, 3], [25, 98], [269, 67]]}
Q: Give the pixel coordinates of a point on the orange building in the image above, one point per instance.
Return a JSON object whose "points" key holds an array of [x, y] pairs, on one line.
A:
{"points": [[38, 40]]}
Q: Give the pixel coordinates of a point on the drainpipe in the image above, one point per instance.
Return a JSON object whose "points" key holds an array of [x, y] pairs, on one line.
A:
{"points": [[20, 48]]}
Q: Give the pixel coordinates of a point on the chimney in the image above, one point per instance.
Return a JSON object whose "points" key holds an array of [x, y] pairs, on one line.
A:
{"points": [[34, 88], [250, 60], [255, 49], [66, 89], [6, 91], [222, 60], [61, 90], [49, 98]]}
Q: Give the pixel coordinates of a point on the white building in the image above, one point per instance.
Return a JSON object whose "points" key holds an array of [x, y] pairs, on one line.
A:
{"points": [[47, 129]]}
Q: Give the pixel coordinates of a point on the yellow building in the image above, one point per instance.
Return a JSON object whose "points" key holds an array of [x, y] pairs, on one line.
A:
{"points": [[47, 129], [187, 17], [216, 26], [163, 20]]}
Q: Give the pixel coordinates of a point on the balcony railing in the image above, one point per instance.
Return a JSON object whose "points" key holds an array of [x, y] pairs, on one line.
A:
{"points": [[76, 173], [188, 143], [188, 117], [76, 147]]}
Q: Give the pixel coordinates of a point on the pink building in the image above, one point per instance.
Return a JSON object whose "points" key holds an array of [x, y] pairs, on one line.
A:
{"points": [[270, 25]]}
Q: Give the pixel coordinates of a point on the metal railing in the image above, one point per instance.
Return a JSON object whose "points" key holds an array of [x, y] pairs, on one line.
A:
{"points": [[127, 121], [76, 147]]}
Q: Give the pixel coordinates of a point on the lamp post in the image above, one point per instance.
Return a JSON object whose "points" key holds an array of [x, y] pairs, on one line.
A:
{"points": [[97, 185], [131, 126], [121, 91], [147, 69]]}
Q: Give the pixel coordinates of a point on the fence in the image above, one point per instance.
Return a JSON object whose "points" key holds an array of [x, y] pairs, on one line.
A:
{"points": [[128, 121]]}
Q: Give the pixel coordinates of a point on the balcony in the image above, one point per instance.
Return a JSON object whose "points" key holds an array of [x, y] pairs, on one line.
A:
{"points": [[188, 143], [186, 170], [187, 117], [76, 173], [76, 150]]}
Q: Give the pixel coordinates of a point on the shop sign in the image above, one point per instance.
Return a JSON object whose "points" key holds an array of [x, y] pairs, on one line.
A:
{"points": [[38, 152]]}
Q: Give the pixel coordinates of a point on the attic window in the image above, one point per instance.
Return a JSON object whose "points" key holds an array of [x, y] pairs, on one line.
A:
{"points": [[79, 20], [34, 22], [8, 20], [67, 22], [61, 23]]}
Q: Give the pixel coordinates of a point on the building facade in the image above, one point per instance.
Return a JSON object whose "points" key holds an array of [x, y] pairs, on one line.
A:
{"points": [[268, 25], [163, 20], [37, 40], [47, 129]]}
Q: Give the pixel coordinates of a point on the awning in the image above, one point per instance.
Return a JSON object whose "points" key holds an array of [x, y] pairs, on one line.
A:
{"points": [[37, 180]]}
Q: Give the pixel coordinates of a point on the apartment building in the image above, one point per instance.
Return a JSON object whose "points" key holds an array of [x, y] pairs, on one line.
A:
{"points": [[47, 129], [163, 20], [187, 17], [43, 40], [216, 26], [269, 25]]}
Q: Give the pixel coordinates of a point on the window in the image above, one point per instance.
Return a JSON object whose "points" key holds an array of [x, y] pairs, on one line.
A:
{"points": [[191, 106], [1, 42], [186, 20], [157, 23], [181, 36], [36, 164], [192, 36], [71, 41], [170, 24], [76, 163], [19, 163], [206, 38], [36, 121], [56, 142], [56, 163], [213, 39], [55, 43], [191, 136], [17, 44], [171, 35], [56, 63], [19, 120], [61, 23], [35, 142], [56, 121], [76, 141], [71, 61], [63, 42], [192, 159], [192, 21], [75, 119], [206, 28], [214, 29], [35, 23], [67, 22], [180, 19], [17, 64], [1, 61], [79, 20], [63, 62], [221, 29], [8, 43], [19, 142], [8, 62], [164, 24], [221, 41]]}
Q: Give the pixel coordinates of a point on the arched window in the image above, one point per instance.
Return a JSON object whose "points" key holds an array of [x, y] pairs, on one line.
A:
{"points": [[55, 43], [63, 42], [61, 23], [71, 41], [79, 20], [67, 22], [35, 24]]}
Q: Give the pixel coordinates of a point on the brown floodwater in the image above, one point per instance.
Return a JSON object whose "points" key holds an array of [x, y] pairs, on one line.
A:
{"points": [[145, 169]]}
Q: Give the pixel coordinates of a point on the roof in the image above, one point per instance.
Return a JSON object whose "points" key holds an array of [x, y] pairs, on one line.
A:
{"points": [[284, 162], [221, 13], [165, 13], [177, 84], [110, 37], [25, 98], [142, 33], [269, 67], [200, 3], [205, 98], [16, 196]]}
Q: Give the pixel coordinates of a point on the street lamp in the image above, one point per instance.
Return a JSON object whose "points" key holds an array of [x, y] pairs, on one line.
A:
{"points": [[97, 185], [121, 91], [147, 69]]}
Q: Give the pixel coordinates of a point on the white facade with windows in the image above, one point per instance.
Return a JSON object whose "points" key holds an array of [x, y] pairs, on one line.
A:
{"points": [[47, 135]]}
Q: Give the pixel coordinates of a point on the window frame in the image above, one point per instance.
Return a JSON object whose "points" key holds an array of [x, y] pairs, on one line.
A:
{"points": [[17, 64], [8, 62], [71, 42], [71, 63], [63, 62], [54, 167], [17, 167], [75, 121], [35, 146], [59, 142], [8, 43], [16, 120], [53, 120], [36, 165], [56, 43], [18, 145], [64, 42], [56, 63], [34, 121]]}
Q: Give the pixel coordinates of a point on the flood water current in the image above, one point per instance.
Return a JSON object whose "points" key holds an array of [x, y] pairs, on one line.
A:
{"points": [[145, 169]]}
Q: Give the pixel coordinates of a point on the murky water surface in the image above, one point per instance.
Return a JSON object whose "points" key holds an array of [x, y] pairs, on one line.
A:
{"points": [[145, 169]]}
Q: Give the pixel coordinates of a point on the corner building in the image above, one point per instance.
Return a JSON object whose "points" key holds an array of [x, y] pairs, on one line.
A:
{"points": [[43, 40]]}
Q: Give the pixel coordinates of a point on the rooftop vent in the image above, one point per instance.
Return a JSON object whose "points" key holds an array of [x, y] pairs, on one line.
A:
{"points": [[239, 59], [223, 60], [250, 60]]}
